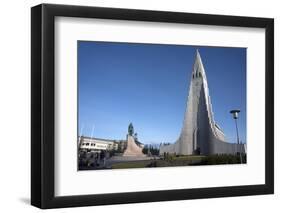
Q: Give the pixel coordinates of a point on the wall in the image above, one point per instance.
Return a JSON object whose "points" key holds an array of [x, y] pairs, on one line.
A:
{"points": [[15, 105]]}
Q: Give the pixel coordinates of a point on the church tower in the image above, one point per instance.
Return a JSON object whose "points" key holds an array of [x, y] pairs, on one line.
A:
{"points": [[198, 125], [200, 134]]}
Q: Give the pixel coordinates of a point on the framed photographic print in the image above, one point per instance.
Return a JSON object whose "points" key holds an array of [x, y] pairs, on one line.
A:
{"points": [[139, 106]]}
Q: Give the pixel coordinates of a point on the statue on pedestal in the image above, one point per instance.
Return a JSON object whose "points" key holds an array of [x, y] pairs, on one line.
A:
{"points": [[132, 149]]}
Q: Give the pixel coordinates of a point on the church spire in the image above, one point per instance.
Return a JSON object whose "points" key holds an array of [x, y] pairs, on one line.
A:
{"points": [[198, 68]]}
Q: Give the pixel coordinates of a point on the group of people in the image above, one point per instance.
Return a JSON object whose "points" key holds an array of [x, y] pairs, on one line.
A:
{"points": [[93, 159]]}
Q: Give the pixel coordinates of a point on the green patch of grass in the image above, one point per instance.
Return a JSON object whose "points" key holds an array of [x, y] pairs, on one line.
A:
{"points": [[184, 160], [223, 159], [131, 164], [171, 161], [188, 157]]}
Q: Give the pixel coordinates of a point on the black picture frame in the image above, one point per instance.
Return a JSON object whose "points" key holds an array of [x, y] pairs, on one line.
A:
{"points": [[43, 102]]}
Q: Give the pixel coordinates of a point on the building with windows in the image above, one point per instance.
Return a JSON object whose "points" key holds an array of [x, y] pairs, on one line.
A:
{"points": [[87, 143]]}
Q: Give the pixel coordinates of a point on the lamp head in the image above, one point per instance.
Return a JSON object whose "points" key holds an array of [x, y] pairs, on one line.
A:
{"points": [[235, 113]]}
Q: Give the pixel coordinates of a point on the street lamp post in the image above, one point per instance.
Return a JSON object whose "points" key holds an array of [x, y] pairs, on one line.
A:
{"points": [[235, 113]]}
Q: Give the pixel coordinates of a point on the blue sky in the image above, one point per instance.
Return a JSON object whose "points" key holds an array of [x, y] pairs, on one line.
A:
{"points": [[147, 84]]}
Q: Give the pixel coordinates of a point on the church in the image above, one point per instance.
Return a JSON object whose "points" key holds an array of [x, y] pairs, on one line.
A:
{"points": [[200, 133]]}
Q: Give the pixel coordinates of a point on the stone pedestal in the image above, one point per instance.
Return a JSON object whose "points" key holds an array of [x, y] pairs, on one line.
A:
{"points": [[132, 148]]}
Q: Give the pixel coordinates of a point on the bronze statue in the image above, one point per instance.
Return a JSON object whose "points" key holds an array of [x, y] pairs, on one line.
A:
{"points": [[131, 129]]}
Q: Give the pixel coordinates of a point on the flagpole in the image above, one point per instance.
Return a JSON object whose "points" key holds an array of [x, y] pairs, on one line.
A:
{"points": [[92, 131], [78, 143]]}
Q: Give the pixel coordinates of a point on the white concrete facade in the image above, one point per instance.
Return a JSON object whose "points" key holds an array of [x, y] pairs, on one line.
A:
{"points": [[200, 134], [97, 144]]}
